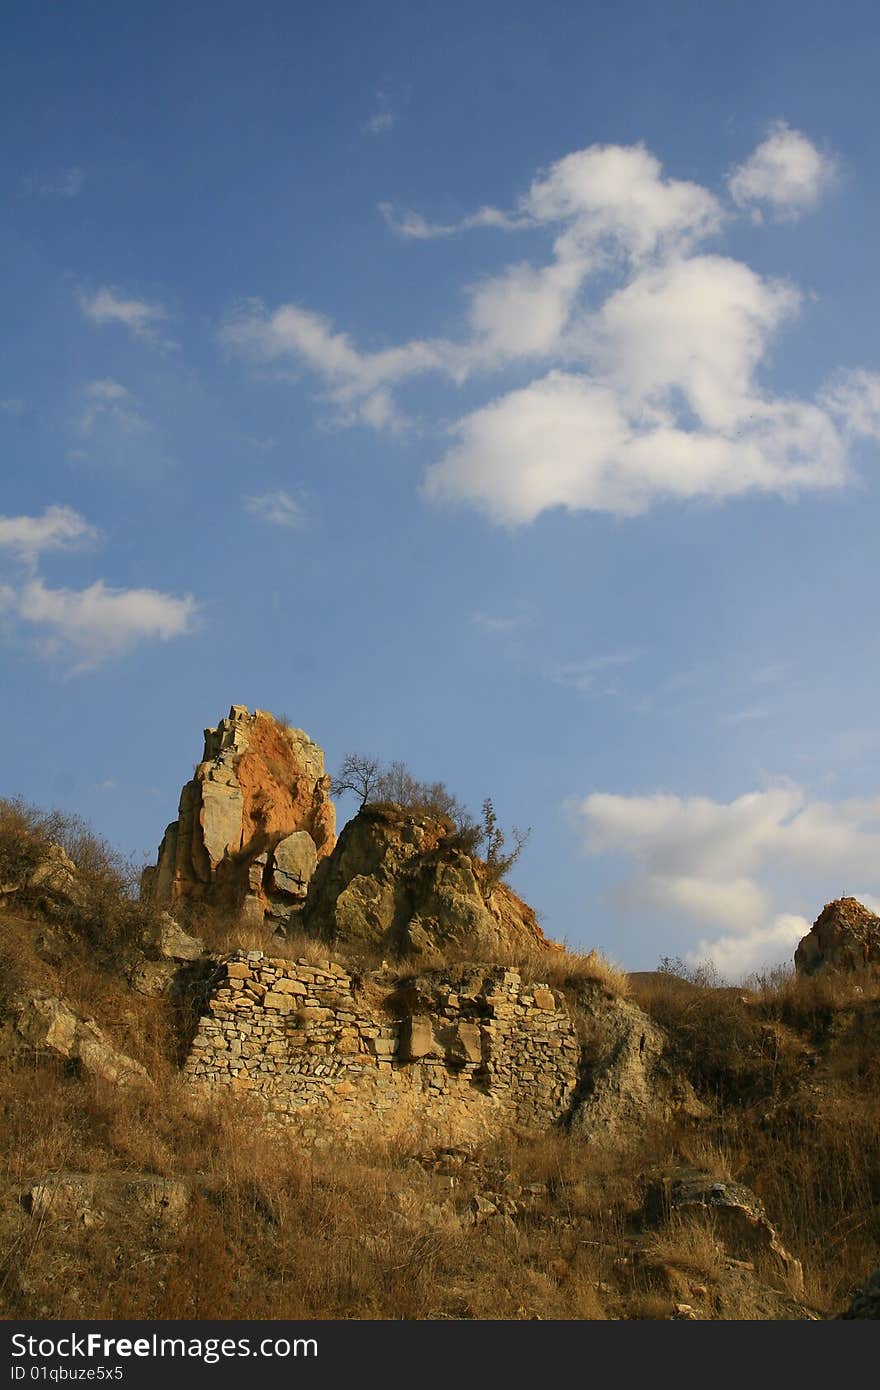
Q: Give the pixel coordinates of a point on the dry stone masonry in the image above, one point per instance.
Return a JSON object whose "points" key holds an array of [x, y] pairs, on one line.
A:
{"points": [[456, 1058]]}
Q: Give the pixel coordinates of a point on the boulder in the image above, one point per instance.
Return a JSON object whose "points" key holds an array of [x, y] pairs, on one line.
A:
{"points": [[167, 941], [53, 877], [845, 937], [740, 1217], [153, 977], [44, 1022], [628, 1076], [396, 881], [251, 824]]}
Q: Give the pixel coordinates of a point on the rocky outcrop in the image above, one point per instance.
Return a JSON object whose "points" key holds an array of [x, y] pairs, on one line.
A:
{"points": [[52, 880], [629, 1079], [252, 824], [167, 955], [845, 936], [397, 882], [739, 1215], [44, 1023]]}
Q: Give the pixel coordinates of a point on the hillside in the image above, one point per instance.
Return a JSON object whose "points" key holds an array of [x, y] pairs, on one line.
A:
{"points": [[401, 1100]]}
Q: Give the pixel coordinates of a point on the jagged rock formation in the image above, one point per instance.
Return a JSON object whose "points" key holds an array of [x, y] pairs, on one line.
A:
{"points": [[845, 936], [738, 1213], [396, 881], [458, 1056], [628, 1078], [44, 1023], [252, 824], [52, 880], [167, 954]]}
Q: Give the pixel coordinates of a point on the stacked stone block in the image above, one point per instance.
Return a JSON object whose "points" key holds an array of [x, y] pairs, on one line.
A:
{"points": [[333, 1059]]}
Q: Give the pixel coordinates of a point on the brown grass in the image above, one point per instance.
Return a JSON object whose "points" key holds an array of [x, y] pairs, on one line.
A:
{"points": [[788, 1066]]}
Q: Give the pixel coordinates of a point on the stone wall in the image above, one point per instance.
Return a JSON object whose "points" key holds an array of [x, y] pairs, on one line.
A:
{"points": [[453, 1060]]}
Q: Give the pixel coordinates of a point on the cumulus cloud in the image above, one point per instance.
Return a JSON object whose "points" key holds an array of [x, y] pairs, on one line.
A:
{"points": [[59, 528], [108, 305], [277, 508], [91, 625], [786, 175], [84, 626], [725, 865], [645, 351]]}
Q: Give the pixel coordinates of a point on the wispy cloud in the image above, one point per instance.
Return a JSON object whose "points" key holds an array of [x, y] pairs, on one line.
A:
{"points": [[594, 675], [412, 226], [59, 528], [383, 117], [747, 715], [504, 624], [106, 305], [277, 508], [64, 183], [108, 401]]}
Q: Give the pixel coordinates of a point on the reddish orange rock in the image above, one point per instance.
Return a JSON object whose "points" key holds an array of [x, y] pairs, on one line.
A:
{"points": [[252, 824]]}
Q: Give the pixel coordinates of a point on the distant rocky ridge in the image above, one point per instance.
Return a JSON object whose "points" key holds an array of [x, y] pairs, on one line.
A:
{"points": [[252, 823]]}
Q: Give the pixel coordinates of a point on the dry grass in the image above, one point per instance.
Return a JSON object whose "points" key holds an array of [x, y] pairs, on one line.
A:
{"points": [[566, 970], [691, 1244], [272, 1231]]}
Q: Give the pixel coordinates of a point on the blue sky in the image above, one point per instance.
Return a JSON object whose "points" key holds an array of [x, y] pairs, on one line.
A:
{"points": [[491, 387]]}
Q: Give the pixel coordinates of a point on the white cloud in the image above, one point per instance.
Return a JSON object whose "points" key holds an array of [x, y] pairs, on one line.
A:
{"points": [[277, 508], [854, 397], [740, 954], [787, 174], [108, 305], [566, 441], [725, 865], [59, 528], [67, 183], [357, 380], [594, 674], [614, 200], [412, 226], [91, 625], [504, 624], [646, 352], [107, 401]]}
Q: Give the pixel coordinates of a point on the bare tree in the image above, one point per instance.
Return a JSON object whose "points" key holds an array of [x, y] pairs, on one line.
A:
{"points": [[360, 775], [494, 839]]}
